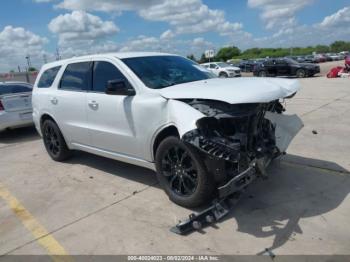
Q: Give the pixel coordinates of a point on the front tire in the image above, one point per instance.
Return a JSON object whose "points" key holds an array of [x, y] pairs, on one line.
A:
{"points": [[223, 75], [182, 173], [54, 142]]}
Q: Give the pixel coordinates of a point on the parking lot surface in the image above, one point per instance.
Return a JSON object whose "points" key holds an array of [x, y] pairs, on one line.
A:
{"points": [[93, 205]]}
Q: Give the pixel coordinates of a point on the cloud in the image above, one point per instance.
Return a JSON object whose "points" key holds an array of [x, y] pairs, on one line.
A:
{"points": [[337, 20], [186, 16], [195, 46], [16, 43], [279, 13], [106, 5], [168, 34], [80, 26], [331, 28]]}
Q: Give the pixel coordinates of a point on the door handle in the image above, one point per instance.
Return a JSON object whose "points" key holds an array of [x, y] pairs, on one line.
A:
{"points": [[54, 100], [93, 105]]}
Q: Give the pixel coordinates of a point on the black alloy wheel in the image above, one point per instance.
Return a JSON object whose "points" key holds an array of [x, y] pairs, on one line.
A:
{"points": [[54, 142], [51, 140], [180, 171]]}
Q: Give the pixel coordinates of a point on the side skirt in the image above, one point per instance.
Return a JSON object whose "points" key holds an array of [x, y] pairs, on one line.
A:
{"points": [[114, 155]]}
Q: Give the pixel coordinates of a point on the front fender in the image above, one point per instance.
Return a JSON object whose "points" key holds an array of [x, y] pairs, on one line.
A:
{"points": [[183, 116]]}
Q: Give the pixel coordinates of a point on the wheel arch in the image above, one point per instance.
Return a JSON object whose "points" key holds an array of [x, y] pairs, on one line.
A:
{"points": [[170, 130], [47, 116]]}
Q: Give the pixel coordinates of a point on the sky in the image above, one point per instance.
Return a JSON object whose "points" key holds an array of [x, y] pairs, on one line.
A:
{"points": [[76, 27]]}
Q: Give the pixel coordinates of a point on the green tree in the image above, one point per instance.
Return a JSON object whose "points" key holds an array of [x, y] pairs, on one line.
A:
{"points": [[227, 53], [191, 56], [339, 46], [203, 59], [322, 48], [32, 69]]}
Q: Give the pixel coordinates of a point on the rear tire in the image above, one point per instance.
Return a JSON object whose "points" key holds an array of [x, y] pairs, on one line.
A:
{"points": [[301, 73], [54, 141], [182, 173]]}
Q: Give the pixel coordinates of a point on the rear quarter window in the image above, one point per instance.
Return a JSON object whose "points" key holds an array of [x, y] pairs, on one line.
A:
{"points": [[48, 77]]}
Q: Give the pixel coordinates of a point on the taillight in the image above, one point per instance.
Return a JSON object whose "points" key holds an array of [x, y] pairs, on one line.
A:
{"points": [[1, 106]]}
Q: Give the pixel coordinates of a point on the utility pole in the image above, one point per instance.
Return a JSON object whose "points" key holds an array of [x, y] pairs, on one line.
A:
{"points": [[45, 58], [28, 61], [19, 69], [58, 56]]}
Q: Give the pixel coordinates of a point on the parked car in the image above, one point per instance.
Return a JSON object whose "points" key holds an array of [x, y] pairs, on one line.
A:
{"points": [[222, 69], [327, 57], [246, 65], [285, 67], [334, 56], [299, 59], [205, 136], [320, 58], [15, 105], [310, 59]]}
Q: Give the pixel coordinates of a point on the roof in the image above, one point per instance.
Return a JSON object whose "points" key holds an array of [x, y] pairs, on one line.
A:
{"points": [[120, 55]]}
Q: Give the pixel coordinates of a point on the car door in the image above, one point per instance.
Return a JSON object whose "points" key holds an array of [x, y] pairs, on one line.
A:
{"points": [[214, 68], [110, 116], [69, 102], [282, 67], [270, 67]]}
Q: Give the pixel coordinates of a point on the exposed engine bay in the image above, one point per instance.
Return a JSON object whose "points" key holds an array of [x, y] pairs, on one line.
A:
{"points": [[235, 138], [238, 142]]}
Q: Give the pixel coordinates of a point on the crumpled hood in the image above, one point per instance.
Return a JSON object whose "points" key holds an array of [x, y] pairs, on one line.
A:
{"points": [[234, 91]]}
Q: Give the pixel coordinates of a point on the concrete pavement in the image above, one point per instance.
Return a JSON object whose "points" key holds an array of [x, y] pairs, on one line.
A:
{"points": [[93, 205]]}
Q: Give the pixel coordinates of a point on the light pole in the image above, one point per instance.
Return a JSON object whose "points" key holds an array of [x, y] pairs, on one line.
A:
{"points": [[28, 62], [45, 58]]}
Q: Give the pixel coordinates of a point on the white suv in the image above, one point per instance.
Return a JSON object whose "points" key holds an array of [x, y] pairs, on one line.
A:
{"points": [[204, 136], [222, 69]]}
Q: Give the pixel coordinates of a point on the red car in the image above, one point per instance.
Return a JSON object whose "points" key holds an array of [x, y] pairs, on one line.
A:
{"points": [[320, 58]]}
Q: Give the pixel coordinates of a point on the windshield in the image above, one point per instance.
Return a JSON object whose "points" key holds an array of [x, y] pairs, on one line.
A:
{"points": [[163, 71], [221, 64]]}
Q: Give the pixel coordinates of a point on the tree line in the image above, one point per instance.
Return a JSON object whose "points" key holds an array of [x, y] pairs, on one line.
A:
{"points": [[233, 52]]}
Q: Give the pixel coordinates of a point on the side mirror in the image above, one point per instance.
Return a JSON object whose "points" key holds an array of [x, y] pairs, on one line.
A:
{"points": [[217, 67], [119, 87]]}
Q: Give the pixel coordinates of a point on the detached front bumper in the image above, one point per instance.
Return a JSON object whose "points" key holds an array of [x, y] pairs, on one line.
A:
{"points": [[239, 182]]}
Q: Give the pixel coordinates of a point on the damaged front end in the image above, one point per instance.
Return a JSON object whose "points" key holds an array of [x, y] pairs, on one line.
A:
{"points": [[238, 141]]}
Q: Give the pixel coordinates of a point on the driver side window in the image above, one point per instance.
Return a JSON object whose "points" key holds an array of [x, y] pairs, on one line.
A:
{"points": [[213, 66], [102, 73]]}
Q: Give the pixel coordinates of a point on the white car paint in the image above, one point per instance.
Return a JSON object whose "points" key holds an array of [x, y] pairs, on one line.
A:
{"points": [[234, 91], [125, 128], [15, 108], [222, 69]]}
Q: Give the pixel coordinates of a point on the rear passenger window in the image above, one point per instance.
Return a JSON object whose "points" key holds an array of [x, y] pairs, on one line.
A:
{"points": [[104, 72], [48, 77], [76, 77]]}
